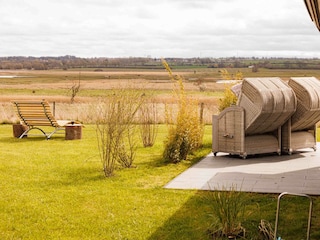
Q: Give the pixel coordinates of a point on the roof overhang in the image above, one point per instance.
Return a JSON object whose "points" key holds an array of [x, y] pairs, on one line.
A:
{"points": [[313, 7]]}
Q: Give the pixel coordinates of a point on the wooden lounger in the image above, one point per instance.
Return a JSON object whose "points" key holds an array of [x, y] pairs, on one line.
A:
{"points": [[37, 114]]}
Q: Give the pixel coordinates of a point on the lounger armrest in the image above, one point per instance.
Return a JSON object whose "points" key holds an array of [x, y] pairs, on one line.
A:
{"points": [[228, 130]]}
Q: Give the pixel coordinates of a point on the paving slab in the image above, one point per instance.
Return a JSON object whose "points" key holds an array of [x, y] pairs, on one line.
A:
{"points": [[295, 173]]}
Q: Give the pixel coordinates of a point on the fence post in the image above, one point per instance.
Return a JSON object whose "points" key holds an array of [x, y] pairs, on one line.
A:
{"points": [[54, 108], [201, 112]]}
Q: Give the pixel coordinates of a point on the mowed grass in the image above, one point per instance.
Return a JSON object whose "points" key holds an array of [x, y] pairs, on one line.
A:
{"points": [[56, 190]]}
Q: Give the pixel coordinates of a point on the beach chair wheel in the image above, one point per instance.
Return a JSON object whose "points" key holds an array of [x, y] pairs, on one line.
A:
{"points": [[244, 156]]}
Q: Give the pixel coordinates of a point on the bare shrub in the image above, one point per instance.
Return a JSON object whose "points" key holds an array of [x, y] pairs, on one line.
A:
{"points": [[127, 148], [75, 88], [7, 114], [115, 129], [148, 123], [266, 230]]}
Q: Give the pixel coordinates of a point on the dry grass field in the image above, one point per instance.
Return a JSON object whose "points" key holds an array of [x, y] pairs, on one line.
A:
{"points": [[55, 85]]}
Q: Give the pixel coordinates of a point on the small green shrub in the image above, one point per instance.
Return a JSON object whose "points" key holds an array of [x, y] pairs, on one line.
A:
{"points": [[148, 123]]}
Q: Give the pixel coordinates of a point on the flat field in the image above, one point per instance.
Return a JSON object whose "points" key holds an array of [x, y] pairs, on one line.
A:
{"points": [[55, 86]]}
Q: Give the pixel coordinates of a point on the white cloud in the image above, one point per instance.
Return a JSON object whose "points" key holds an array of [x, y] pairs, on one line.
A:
{"points": [[180, 28]]}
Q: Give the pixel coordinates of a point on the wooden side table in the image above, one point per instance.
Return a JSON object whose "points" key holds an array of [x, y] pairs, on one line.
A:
{"points": [[18, 130], [73, 131]]}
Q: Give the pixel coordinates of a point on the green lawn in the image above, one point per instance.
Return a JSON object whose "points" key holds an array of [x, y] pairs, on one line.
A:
{"points": [[56, 189]]}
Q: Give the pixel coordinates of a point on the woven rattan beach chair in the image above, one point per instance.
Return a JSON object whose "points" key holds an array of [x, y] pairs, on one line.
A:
{"points": [[300, 130], [37, 115], [253, 126]]}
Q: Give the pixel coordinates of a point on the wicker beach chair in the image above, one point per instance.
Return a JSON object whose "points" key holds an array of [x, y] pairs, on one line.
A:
{"points": [[300, 130], [253, 126]]}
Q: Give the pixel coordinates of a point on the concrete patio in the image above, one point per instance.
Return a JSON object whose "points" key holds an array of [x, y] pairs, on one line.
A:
{"points": [[296, 173]]}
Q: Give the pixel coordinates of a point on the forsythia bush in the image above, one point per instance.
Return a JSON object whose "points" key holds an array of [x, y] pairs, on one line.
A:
{"points": [[228, 99], [185, 130]]}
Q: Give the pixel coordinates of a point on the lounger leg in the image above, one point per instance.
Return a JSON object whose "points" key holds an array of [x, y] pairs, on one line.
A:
{"points": [[41, 131], [50, 134], [29, 129], [244, 155], [24, 133]]}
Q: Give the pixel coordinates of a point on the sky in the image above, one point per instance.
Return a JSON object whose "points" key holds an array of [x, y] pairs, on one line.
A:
{"points": [[153, 28]]}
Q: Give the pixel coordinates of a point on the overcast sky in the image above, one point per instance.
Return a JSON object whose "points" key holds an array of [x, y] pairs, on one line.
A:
{"points": [[154, 28]]}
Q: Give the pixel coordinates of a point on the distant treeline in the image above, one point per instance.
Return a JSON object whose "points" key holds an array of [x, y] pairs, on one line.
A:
{"points": [[69, 62]]}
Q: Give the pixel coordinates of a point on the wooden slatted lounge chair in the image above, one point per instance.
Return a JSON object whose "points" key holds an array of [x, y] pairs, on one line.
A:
{"points": [[300, 130], [253, 126], [36, 115]]}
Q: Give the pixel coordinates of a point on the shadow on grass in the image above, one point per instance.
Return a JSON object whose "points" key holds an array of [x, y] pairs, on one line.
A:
{"points": [[83, 175], [9, 139], [79, 177], [191, 221], [195, 218], [159, 161]]}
